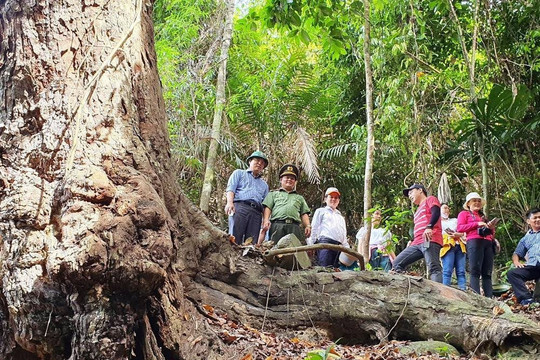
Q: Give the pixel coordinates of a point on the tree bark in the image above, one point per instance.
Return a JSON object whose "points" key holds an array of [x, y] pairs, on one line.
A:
{"points": [[359, 307], [103, 257], [91, 250], [220, 105]]}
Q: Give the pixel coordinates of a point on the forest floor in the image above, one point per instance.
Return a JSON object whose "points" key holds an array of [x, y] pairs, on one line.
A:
{"points": [[246, 343]]}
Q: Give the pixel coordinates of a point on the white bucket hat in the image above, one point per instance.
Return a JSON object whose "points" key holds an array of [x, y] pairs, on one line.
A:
{"points": [[470, 196]]}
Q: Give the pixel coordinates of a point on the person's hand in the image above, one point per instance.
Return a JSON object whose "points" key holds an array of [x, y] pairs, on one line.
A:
{"points": [[482, 224], [229, 209], [266, 225], [262, 236], [307, 231], [492, 223], [428, 234], [497, 246], [518, 264]]}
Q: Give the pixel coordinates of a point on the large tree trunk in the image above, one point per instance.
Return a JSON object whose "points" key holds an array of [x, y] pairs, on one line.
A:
{"points": [[102, 257], [89, 208]]}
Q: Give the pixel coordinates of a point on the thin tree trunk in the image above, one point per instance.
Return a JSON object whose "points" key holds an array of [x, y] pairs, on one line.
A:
{"points": [[485, 184], [370, 135], [470, 62], [218, 112]]}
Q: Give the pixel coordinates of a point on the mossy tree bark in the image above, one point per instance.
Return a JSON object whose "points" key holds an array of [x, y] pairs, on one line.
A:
{"points": [[102, 256]]}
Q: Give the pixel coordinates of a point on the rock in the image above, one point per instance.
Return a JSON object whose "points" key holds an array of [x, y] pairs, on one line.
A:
{"points": [[296, 261]]}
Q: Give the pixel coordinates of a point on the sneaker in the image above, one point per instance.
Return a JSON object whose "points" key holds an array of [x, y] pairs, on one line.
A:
{"points": [[526, 301]]}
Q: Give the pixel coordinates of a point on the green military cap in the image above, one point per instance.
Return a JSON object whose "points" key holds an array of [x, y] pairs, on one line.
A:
{"points": [[289, 169], [258, 154]]}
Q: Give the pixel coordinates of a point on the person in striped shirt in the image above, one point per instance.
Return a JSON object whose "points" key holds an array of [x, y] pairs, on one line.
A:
{"points": [[428, 237]]}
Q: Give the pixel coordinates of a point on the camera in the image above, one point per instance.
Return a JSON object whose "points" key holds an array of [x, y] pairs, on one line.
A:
{"points": [[484, 231]]}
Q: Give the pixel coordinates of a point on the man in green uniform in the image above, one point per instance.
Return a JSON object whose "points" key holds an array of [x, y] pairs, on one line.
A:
{"points": [[285, 209]]}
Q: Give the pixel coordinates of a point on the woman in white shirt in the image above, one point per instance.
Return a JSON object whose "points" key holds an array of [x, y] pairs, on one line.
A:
{"points": [[453, 252], [328, 227], [380, 241]]}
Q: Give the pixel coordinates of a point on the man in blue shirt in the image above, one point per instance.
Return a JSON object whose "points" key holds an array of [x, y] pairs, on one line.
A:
{"points": [[246, 190], [528, 246]]}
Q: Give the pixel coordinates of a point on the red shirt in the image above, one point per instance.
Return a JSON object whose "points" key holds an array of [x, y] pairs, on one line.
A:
{"points": [[422, 216]]}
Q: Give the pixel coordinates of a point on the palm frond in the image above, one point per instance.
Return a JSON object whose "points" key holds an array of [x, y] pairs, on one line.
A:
{"points": [[338, 151], [304, 153]]}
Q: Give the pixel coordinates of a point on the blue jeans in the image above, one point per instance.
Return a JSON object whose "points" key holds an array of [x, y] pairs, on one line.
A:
{"points": [[481, 256], [416, 252], [454, 258], [379, 261]]}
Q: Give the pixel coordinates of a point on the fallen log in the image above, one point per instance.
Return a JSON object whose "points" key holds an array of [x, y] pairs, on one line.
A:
{"points": [[363, 307]]}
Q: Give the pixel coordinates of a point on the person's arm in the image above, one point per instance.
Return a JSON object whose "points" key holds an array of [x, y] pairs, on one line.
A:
{"points": [[229, 208], [232, 185], [265, 224], [344, 241], [307, 226], [520, 252], [515, 260], [315, 227], [304, 216], [266, 218], [435, 215]]}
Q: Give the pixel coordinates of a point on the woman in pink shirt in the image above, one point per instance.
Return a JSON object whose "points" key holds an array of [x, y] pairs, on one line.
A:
{"points": [[480, 242]]}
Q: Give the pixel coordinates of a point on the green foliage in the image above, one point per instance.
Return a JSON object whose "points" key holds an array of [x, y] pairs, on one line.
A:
{"points": [[311, 20], [298, 65], [324, 354]]}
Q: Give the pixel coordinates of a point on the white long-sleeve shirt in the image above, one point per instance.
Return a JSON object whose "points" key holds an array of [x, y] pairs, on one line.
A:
{"points": [[380, 237], [449, 224], [328, 223]]}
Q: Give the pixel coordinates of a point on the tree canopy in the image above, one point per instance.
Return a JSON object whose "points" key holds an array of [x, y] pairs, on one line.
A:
{"points": [[296, 90]]}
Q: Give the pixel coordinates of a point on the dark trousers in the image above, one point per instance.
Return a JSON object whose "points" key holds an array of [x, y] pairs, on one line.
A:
{"points": [[246, 223], [279, 230], [481, 254], [517, 278], [414, 253], [327, 257]]}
